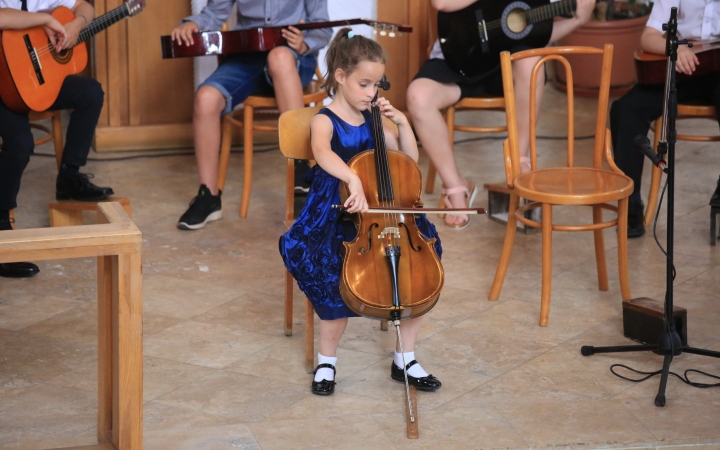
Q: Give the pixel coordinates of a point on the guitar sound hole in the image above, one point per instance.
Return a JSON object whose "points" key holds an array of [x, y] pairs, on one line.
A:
{"points": [[516, 21], [63, 56]]}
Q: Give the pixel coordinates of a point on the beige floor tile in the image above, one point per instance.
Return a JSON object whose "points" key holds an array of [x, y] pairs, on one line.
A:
{"points": [[251, 312], [596, 422], [358, 432], [78, 324], [244, 398], [201, 438], [157, 416], [452, 428], [336, 405], [182, 299], [205, 344], [18, 313]]}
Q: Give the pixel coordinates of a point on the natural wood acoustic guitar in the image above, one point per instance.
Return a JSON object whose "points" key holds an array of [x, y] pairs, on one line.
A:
{"points": [[258, 39], [32, 72], [651, 67]]}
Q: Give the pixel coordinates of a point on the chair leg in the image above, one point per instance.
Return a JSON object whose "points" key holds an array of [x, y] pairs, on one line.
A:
{"points": [[654, 180], [58, 138], [248, 151], [288, 303], [623, 249], [430, 182], [225, 145], [510, 230], [383, 325], [309, 337], [546, 263], [600, 260]]}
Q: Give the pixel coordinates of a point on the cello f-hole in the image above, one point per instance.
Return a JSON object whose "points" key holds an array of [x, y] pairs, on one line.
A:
{"points": [[412, 246], [363, 250]]}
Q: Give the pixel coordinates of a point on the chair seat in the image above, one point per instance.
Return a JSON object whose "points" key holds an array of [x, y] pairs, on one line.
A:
{"points": [[573, 186]]}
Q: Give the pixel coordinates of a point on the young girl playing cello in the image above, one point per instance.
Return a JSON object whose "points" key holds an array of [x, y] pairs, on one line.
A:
{"points": [[312, 248]]}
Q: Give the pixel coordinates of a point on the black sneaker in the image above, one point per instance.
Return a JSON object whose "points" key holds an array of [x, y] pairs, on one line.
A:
{"points": [[79, 187], [636, 219], [302, 167], [16, 269], [204, 208], [715, 199]]}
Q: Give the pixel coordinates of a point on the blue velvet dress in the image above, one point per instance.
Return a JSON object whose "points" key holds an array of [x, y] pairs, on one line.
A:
{"points": [[312, 249]]}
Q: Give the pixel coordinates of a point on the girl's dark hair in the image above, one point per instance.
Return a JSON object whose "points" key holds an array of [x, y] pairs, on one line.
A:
{"points": [[346, 53]]}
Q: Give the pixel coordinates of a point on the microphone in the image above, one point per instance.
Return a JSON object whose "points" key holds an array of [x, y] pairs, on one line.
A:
{"points": [[642, 144]]}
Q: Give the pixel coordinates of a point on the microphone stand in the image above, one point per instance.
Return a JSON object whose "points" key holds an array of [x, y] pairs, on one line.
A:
{"points": [[669, 344]]}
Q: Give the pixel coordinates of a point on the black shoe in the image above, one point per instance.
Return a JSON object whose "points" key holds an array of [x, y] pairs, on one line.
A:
{"points": [[428, 383], [302, 167], [636, 219], [79, 187], [715, 199], [204, 208], [324, 387], [17, 269]]}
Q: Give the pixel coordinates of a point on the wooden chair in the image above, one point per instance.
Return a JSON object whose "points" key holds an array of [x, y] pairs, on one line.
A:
{"points": [[685, 111], [313, 94], [294, 141], [570, 185], [489, 103]]}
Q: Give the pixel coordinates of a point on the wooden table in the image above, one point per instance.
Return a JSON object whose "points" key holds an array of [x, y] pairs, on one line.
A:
{"points": [[117, 244]]}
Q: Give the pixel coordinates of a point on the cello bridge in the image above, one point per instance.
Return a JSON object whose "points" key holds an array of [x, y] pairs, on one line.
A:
{"points": [[390, 231]]}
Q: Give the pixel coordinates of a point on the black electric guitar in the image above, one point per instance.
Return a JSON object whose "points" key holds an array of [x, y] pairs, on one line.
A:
{"points": [[473, 37]]}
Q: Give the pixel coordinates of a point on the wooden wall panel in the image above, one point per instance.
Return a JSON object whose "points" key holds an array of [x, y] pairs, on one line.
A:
{"points": [[148, 100]]}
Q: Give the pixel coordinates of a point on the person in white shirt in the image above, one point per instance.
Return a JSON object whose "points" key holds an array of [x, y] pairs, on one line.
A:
{"points": [[631, 115]]}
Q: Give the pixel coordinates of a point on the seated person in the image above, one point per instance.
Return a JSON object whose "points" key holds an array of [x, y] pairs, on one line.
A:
{"points": [[286, 69], [81, 94], [437, 86], [631, 115]]}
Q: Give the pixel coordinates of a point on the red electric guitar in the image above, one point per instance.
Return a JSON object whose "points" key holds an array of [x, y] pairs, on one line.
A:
{"points": [[257, 39], [32, 72]]}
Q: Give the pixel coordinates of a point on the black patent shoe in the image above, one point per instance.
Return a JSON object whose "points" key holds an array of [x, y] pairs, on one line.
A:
{"points": [[428, 383], [636, 219], [78, 187], [18, 270], [324, 387]]}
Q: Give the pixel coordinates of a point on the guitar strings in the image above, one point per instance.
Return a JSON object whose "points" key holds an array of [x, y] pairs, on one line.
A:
{"points": [[96, 25]]}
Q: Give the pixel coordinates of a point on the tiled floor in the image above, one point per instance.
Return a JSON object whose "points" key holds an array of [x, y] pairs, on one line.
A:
{"points": [[220, 373]]}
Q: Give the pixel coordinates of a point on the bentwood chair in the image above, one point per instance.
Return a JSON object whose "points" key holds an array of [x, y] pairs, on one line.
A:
{"points": [[685, 111], [569, 185], [244, 118]]}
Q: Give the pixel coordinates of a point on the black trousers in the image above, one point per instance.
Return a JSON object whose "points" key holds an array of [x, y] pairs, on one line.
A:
{"points": [[81, 94], [631, 115]]}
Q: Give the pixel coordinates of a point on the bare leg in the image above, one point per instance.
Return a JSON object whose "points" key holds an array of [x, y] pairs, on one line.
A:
{"points": [[521, 75], [286, 79], [330, 333], [426, 98], [409, 330], [209, 104]]}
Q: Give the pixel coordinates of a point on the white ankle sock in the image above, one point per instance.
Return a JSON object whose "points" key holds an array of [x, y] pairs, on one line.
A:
{"points": [[416, 370], [325, 373]]}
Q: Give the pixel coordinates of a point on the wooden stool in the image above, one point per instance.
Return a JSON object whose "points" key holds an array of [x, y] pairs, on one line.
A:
{"points": [[55, 135], [66, 213]]}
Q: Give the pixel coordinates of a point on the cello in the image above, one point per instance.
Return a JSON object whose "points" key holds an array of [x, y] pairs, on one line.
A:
{"points": [[390, 270]]}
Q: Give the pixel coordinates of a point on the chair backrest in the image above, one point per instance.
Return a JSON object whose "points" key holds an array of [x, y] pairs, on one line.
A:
{"points": [[545, 55], [294, 132]]}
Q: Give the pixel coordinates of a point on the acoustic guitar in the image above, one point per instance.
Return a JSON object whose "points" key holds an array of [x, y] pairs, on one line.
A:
{"points": [[258, 39], [32, 72], [473, 38], [651, 67]]}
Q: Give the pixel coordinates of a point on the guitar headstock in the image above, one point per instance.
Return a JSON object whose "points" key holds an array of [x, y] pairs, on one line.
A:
{"points": [[386, 28], [135, 6]]}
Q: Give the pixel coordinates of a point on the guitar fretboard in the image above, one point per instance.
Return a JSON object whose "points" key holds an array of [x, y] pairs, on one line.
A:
{"points": [[551, 10], [103, 22]]}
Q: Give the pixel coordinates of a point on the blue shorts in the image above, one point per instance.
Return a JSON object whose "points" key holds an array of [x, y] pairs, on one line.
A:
{"points": [[244, 74]]}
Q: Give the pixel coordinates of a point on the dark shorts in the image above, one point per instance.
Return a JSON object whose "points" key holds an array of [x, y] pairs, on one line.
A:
{"points": [[488, 82]]}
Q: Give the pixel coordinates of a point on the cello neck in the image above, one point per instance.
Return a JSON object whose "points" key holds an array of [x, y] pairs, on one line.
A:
{"points": [[382, 167]]}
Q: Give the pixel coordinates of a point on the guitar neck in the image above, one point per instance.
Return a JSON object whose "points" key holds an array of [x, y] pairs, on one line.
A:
{"points": [[348, 22], [102, 22], [550, 10]]}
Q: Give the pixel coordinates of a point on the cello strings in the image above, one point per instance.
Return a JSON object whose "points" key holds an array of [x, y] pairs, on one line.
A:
{"points": [[384, 161]]}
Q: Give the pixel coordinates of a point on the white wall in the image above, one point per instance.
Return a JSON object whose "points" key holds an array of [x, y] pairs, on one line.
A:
{"points": [[337, 9]]}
